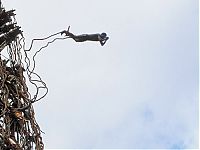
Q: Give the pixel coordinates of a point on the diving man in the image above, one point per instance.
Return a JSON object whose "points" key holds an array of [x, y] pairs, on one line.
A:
{"points": [[102, 38]]}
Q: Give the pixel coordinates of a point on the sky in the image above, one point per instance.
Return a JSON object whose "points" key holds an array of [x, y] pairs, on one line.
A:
{"points": [[138, 91]]}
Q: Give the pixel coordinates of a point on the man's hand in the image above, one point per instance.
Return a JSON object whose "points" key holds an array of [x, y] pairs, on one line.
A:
{"points": [[102, 42], [106, 39]]}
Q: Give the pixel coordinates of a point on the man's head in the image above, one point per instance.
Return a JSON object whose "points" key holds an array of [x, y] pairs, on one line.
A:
{"points": [[103, 35]]}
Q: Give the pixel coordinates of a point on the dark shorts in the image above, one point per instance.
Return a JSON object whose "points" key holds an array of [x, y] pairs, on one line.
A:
{"points": [[87, 37]]}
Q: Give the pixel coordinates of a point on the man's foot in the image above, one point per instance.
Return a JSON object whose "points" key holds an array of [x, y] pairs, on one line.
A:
{"points": [[65, 32]]}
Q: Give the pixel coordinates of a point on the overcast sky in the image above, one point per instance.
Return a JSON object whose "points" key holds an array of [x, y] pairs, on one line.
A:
{"points": [[140, 90]]}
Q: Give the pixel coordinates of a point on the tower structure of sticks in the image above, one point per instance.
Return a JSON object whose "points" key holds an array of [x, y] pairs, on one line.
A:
{"points": [[18, 127]]}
